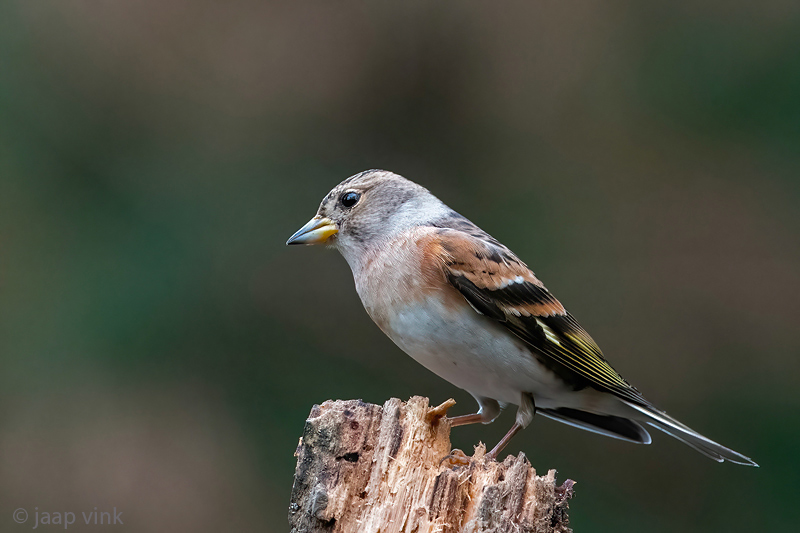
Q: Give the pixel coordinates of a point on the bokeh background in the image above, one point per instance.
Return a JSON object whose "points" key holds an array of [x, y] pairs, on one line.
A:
{"points": [[160, 347]]}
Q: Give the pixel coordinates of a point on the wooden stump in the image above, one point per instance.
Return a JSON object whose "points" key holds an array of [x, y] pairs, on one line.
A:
{"points": [[366, 468]]}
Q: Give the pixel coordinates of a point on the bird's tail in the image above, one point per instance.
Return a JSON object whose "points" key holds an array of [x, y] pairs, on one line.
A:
{"points": [[670, 426], [608, 425]]}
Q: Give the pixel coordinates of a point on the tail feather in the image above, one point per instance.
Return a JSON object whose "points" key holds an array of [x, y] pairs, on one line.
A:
{"points": [[608, 425], [662, 421]]}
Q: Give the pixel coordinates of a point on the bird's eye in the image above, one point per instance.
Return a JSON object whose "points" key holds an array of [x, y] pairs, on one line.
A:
{"points": [[349, 199]]}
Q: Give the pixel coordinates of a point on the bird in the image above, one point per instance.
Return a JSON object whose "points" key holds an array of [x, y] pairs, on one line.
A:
{"points": [[464, 306]]}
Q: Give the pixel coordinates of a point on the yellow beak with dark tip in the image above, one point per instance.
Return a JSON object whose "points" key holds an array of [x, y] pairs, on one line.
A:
{"points": [[316, 231]]}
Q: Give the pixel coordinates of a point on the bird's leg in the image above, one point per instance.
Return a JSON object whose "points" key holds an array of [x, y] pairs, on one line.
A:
{"points": [[525, 413], [489, 410], [463, 420], [504, 441]]}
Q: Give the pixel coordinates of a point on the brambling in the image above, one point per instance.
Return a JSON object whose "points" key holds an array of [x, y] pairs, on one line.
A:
{"points": [[464, 306]]}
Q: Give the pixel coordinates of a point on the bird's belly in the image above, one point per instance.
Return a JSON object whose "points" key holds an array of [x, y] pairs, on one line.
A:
{"points": [[470, 351]]}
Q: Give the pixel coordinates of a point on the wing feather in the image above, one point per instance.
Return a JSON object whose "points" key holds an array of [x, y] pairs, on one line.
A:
{"points": [[497, 284]]}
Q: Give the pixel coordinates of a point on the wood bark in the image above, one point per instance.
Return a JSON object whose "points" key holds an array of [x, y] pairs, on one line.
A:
{"points": [[369, 468]]}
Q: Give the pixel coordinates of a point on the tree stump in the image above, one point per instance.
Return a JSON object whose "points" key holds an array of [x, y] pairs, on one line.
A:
{"points": [[367, 468]]}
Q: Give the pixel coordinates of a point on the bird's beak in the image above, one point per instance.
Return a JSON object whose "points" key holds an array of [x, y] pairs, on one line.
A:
{"points": [[316, 231]]}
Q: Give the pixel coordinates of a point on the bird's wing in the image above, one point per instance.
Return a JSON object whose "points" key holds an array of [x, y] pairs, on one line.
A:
{"points": [[500, 286]]}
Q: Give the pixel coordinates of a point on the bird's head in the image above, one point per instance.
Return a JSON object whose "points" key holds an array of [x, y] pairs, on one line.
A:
{"points": [[367, 209]]}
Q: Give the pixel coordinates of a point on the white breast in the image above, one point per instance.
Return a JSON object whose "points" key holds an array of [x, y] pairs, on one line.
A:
{"points": [[470, 351], [435, 325]]}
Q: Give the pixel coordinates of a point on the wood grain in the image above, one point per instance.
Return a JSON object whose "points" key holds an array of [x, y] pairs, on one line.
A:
{"points": [[368, 468]]}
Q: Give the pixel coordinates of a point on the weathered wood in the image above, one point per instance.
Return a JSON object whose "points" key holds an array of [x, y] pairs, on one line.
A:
{"points": [[370, 468]]}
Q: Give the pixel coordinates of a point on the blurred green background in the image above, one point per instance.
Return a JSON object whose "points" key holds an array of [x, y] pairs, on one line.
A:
{"points": [[160, 347]]}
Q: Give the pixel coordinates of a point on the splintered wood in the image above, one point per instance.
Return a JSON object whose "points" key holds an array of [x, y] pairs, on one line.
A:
{"points": [[368, 468]]}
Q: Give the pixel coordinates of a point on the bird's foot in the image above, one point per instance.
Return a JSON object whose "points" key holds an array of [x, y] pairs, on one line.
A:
{"points": [[455, 458], [434, 414]]}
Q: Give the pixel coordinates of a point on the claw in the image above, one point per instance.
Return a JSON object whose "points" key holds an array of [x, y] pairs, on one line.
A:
{"points": [[440, 411], [456, 458]]}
